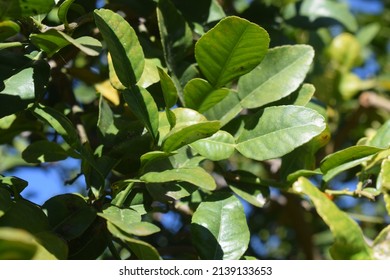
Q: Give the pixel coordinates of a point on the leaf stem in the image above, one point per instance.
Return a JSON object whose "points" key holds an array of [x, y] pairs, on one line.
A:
{"points": [[356, 193]]}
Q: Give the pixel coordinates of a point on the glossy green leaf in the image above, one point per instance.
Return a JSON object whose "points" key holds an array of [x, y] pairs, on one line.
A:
{"points": [[105, 121], [349, 242], [382, 137], [69, 215], [345, 159], [59, 122], [44, 151], [226, 110], [151, 157], [201, 96], [196, 176], [176, 35], [219, 146], [20, 8], [249, 187], [316, 9], [285, 127], [8, 28], [171, 191], [150, 74], [138, 228], [123, 45], [143, 106], [279, 74], [219, 229], [231, 49], [180, 136], [168, 88], [381, 245]]}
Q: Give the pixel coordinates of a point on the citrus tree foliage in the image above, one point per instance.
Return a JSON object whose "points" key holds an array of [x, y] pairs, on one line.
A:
{"points": [[193, 109]]}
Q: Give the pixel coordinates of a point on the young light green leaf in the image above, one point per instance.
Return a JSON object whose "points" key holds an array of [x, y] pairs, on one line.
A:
{"points": [[63, 11], [121, 218], [44, 151], [315, 9], [219, 146], [196, 176], [142, 104], [285, 127], [150, 74], [8, 28], [180, 136], [219, 229], [231, 49], [123, 45], [279, 74], [349, 242], [304, 95], [201, 96]]}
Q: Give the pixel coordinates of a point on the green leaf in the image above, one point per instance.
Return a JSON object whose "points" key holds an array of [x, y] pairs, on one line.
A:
{"points": [[226, 110], [171, 191], [219, 229], [44, 151], [123, 45], [150, 74], [8, 28], [139, 228], [381, 245], [142, 104], [16, 244], [19, 91], [196, 176], [121, 218], [367, 33], [180, 136], [59, 122], [17, 9], [105, 121], [249, 187], [5, 201], [63, 12], [151, 157], [17, 185], [219, 146], [304, 95], [349, 242], [143, 250], [329, 9], [284, 127], [382, 137], [201, 96], [279, 74], [50, 41], [69, 215], [345, 159], [231, 49], [168, 88], [176, 35]]}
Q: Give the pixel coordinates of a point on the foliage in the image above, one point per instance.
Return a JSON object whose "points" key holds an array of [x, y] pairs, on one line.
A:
{"points": [[239, 119]]}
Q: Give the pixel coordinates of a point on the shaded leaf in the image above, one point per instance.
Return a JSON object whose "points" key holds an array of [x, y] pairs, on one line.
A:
{"points": [[69, 215], [201, 96], [143, 106], [349, 243], [123, 45], [381, 245], [280, 73], [20, 8], [63, 11], [285, 127], [196, 176], [315, 9], [139, 229], [219, 146], [231, 49], [219, 229], [44, 151], [8, 28], [168, 88]]}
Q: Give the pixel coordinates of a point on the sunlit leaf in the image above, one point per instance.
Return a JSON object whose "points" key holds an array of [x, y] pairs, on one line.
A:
{"points": [[8, 28], [231, 49], [123, 45], [279, 74], [381, 245], [349, 242], [285, 127], [219, 229], [219, 146]]}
